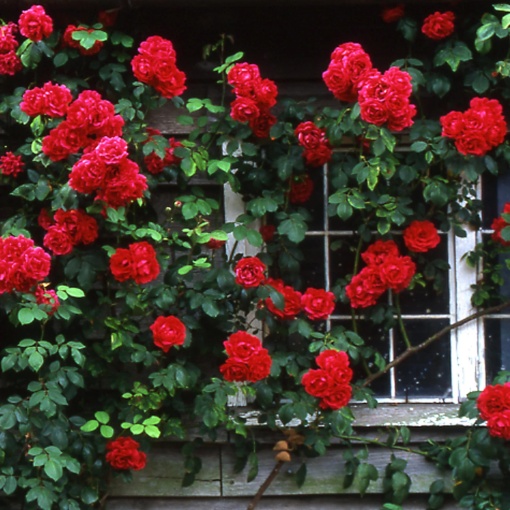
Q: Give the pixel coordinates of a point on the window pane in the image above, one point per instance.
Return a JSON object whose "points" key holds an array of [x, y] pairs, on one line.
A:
{"points": [[428, 374]]}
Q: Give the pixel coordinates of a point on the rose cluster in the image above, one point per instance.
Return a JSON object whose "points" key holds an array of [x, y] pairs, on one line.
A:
{"points": [[348, 66], [154, 163], [167, 332], [331, 381], [123, 453], [384, 99], [109, 173], [477, 130], [11, 164], [494, 406], [50, 99], [439, 25], [22, 264], [247, 359], [88, 119], [317, 150], [156, 66], [386, 269], [10, 63], [255, 96], [137, 262], [35, 24], [68, 229], [498, 224]]}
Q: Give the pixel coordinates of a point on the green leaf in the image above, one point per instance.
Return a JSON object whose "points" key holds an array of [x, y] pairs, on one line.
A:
{"points": [[35, 360], [106, 431], [26, 316], [102, 417], [293, 227], [53, 468], [89, 426]]}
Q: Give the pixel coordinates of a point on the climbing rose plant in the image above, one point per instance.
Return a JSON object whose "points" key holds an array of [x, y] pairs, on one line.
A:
{"points": [[122, 317]]}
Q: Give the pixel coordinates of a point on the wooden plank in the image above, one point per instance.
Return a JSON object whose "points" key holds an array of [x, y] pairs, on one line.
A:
{"points": [[268, 503], [325, 474], [162, 477]]}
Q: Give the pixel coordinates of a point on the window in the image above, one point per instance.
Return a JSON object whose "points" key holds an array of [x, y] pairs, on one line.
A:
{"points": [[451, 367]]}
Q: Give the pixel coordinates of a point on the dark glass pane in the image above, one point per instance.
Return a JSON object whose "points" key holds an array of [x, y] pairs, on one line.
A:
{"points": [[497, 346], [313, 263], [424, 300], [428, 372], [315, 204]]}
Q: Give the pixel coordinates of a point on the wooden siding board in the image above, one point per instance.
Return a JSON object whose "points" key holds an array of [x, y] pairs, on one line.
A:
{"points": [[269, 503], [325, 474], [162, 477]]}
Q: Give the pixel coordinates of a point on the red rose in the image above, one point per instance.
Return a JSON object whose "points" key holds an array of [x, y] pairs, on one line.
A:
{"points": [[452, 124], [472, 142], [47, 299], [291, 300], [10, 63], [242, 75], [337, 398], [261, 125], [123, 453], [317, 382], [242, 345], [318, 304], [108, 17], [243, 109], [493, 399], [167, 332], [112, 150], [11, 164], [498, 224], [439, 25], [155, 65], [390, 14], [247, 359], [249, 272], [377, 252], [331, 382], [309, 135], [35, 24], [365, 288], [32, 267], [215, 244], [235, 370], [348, 66], [421, 236], [267, 232], [301, 189], [58, 240], [259, 366], [145, 265], [121, 265], [499, 424], [397, 272], [318, 156]]}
